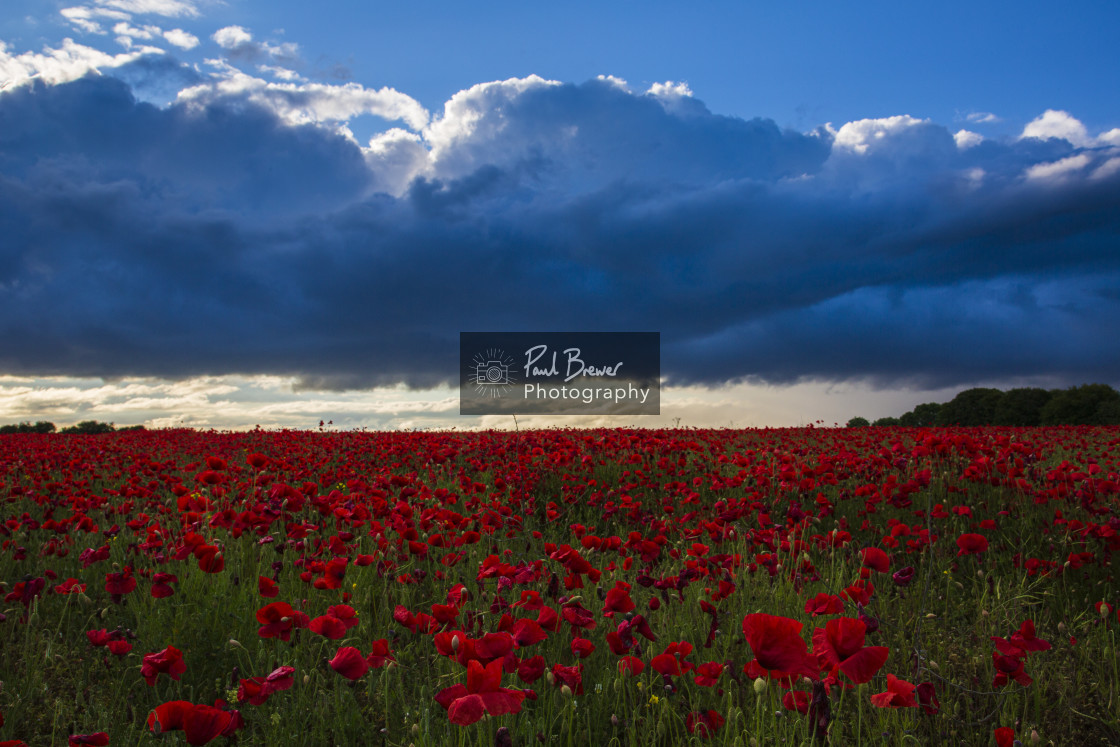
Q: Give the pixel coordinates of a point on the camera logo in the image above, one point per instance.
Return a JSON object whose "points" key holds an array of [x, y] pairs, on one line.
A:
{"points": [[490, 372]]}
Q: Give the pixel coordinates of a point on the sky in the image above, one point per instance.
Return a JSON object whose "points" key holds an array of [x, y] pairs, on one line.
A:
{"points": [[228, 214]]}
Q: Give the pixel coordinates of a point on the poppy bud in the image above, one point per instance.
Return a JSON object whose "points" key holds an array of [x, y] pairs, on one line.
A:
{"points": [[235, 644], [455, 644], [415, 729], [566, 691], [306, 678], [760, 686]]}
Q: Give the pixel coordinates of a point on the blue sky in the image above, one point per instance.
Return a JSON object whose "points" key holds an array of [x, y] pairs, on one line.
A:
{"points": [[228, 213]]}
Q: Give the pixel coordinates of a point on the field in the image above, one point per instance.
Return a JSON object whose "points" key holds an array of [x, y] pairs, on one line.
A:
{"points": [[876, 586]]}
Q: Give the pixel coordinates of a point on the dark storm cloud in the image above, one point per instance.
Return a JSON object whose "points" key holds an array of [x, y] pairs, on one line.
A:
{"points": [[216, 239]]}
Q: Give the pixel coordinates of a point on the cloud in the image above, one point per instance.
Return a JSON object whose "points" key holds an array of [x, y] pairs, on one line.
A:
{"points": [[241, 231], [305, 103], [1058, 124], [240, 46], [60, 65]]}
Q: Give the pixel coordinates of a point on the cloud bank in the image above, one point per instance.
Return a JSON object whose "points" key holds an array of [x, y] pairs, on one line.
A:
{"points": [[243, 228]]}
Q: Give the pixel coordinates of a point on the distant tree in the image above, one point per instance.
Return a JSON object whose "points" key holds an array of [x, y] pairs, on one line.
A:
{"points": [[137, 427], [89, 427], [1021, 407], [922, 415], [858, 422], [887, 421], [1088, 404], [40, 427], [971, 407]]}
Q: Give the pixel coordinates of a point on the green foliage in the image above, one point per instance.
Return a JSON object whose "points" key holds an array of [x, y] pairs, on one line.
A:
{"points": [[887, 421], [858, 422], [922, 415], [1021, 407], [1089, 404], [40, 427], [89, 427], [971, 407]]}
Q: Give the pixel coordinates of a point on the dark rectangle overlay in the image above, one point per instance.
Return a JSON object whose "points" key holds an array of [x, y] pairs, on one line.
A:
{"points": [[560, 373]]}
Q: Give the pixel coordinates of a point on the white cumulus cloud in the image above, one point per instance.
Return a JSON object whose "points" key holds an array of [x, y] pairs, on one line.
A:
{"points": [[1058, 124], [1058, 169], [59, 65], [862, 135]]}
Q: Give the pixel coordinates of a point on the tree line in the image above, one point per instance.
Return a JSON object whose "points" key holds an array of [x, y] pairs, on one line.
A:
{"points": [[1088, 404], [86, 426]]}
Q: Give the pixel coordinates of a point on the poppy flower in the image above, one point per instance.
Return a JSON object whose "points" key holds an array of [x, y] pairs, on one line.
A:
{"points": [[671, 662], [824, 604], [971, 544], [570, 676], [1009, 668], [379, 654], [278, 619], [200, 723], [350, 663], [161, 585], [632, 665], [1005, 736], [257, 690], [482, 694], [266, 587], [618, 600], [169, 662], [899, 694], [70, 586], [100, 739], [257, 461], [903, 576], [839, 648], [796, 700], [707, 674], [526, 633], [119, 584], [875, 559], [777, 644], [582, 648], [927, 698], [531, 669], [704, 723]]}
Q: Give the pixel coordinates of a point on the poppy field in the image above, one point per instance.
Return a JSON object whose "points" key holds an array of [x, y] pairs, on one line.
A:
{"points": [[875, 586]]}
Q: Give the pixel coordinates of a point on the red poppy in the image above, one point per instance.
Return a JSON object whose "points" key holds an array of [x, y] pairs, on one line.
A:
{"points": [[267, 588], [671, 662], [70, 586], [350, 663], [899, 694], [482, 694], [257, 690], [971, 544], [796, 700], [278, 619], [119, 584], [707, 674], [570, 676], [582, 647], [169, 662], [161, 585], [618, 600], [1005, 736], [257, 461], [824, 604], [839, 648], [1009, 668], [526, 633], [903, 576], [379, 654], [531, 669], [778, 646], [100, 739], [632, 665], [704, 723], [200, 723], [875, 559]]}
